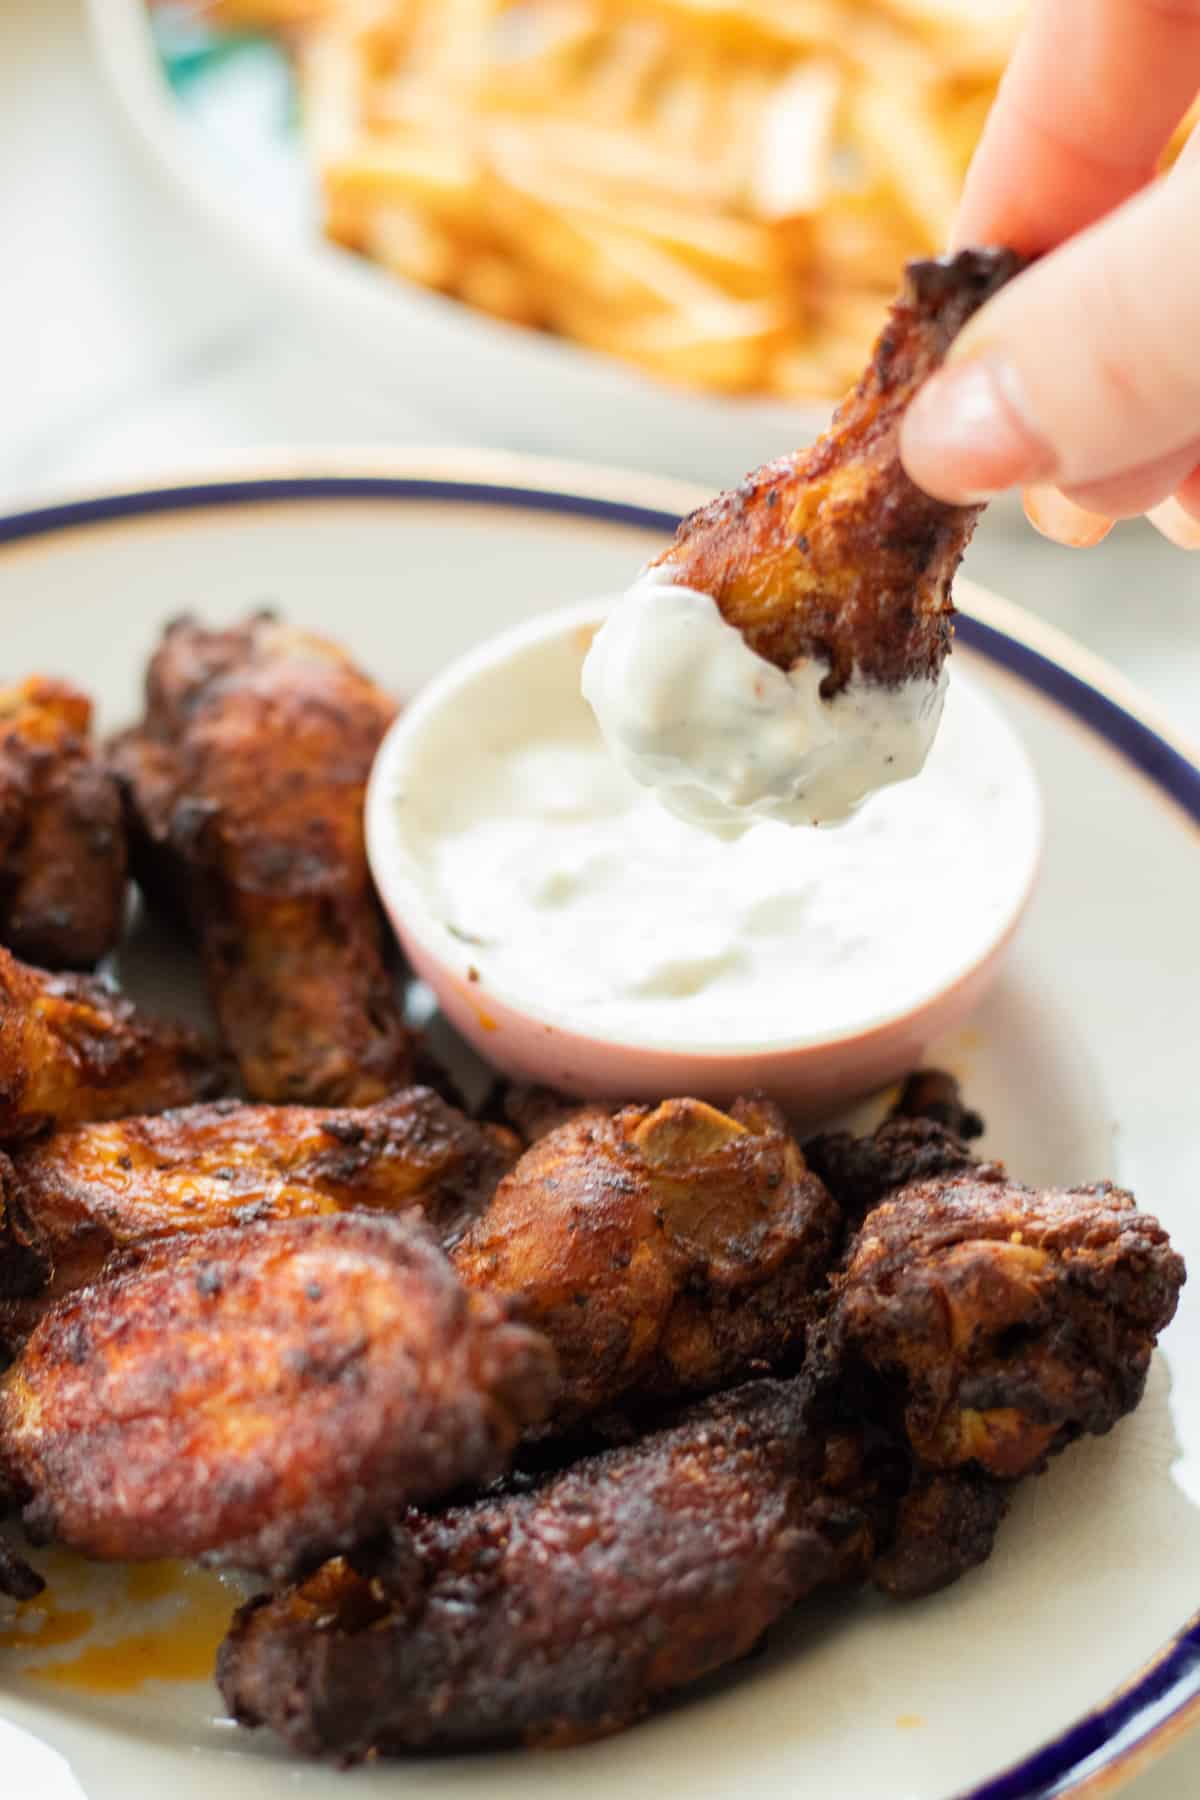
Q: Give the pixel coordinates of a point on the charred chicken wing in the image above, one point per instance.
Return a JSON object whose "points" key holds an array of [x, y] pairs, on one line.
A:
{"points": [[999, 1322], [663, 1251], [82, 1194], [832, 553], [264, 1396], [62, 840], [245, 783], [561, 1613], [71, 1049]]}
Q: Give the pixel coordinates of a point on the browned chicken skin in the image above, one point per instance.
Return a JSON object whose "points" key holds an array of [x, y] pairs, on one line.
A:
{"points": [[245, 783], [80, 1195], [264, 1396], [998, 1323], [72, 1049], [663, 1251], [833, 553], [62, 839], [556, 1615]]}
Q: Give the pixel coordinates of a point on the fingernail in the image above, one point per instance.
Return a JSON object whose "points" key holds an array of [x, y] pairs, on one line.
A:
{"points": [[1056, 517], [1177, 525], [969, 434]]}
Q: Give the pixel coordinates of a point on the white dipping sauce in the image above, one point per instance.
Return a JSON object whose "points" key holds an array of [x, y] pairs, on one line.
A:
{"points": [[724, 737], [566, 888]]}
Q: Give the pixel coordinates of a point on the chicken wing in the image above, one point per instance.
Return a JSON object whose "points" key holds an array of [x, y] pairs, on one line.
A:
{"points": [[832, 553], [562, 1613], [71, 1049], [62, 840], [245, 784], [862, 1171], [264, 1396], [991, 1324], [670, 1250], [80, 1195]]}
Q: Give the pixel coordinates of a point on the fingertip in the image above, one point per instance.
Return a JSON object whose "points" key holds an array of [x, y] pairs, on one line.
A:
{"points": [[1177, 524], [964, 439], [1060, 519]]}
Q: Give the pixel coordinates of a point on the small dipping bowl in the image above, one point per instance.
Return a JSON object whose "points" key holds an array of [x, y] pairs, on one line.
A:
{"points": [[482, 706]]}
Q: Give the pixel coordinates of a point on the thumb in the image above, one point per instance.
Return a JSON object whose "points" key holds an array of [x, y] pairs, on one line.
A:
{"points": [[1084, 368]]}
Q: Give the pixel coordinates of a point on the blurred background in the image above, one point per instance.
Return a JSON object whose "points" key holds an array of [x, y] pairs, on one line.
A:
{"points": [[656, 234]]}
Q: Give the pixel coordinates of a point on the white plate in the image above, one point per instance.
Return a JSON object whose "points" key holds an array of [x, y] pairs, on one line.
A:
{"points": [[1084, 1061], [220, 133]]}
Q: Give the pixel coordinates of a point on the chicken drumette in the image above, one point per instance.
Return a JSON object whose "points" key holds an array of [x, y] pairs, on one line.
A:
{"points": [[72, 1049], [833, 553], [245, 784], [76, 1197], [663, 1251], [265, 1396], [62, 840], [557, 1614], [988, 1324]]}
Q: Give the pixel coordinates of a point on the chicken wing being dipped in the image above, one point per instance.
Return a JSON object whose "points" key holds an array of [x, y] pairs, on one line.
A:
{"points": [[990, 1324], [784, 657], [558, 1614], [82, 1194], [245, 783], [72, 1049], [62, 839], [663, 1251], [264, 1397]]}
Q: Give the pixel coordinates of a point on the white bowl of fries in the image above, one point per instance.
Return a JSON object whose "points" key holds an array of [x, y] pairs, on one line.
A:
{"points": [[663, 232]]}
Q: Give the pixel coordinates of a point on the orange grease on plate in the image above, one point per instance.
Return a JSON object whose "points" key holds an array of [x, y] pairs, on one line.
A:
{"points": [[181, 1646]]}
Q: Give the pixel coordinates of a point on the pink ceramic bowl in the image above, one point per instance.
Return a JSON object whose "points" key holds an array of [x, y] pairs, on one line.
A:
{"points": [[525, 1039]]}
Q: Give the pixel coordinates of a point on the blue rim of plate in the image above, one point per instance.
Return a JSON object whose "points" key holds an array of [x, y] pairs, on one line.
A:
{"points": [[1163, 1697]]}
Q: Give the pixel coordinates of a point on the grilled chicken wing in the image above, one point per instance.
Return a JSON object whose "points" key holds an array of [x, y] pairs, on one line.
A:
{"points": [[832, 553], [861, 1171], [80, 1195], [71, 1049], [62, 840], [994, 1323], [264, 1396], [560, 1614], [663, 1251], [245, 782]]}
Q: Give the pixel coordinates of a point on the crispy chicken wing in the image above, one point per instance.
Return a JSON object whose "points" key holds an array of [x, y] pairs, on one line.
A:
{"points": [[994, 1323], [80, 1195], [562, 1613], [861, 1171], [62, 840], [664, 1251], [264, 1396], [245, 783], [833, 553], [71, 1049]]}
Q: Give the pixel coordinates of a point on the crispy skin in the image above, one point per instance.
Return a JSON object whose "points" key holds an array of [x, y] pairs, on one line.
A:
{"points": [[245, 784], [945, 1525], [71, 1049], [556, 1615], [1001, 1322], [861, 1171], [663, 1252], [264, 1396], [62, 839], [832, 553], [935, 1094], [83, 1194], [17, 1580]]}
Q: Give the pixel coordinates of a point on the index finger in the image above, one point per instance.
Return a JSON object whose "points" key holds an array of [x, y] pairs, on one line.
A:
{"points": [[1085, 110]]}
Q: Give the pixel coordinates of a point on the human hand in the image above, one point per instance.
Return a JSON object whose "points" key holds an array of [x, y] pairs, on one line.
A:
{"points": [[1080, 380]]}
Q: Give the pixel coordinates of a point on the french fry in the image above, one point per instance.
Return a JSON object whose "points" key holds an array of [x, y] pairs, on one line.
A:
{"points": [[721, 192]]}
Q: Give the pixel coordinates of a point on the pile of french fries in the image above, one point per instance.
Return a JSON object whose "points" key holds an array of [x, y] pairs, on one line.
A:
{"points": [[721, 193]]}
